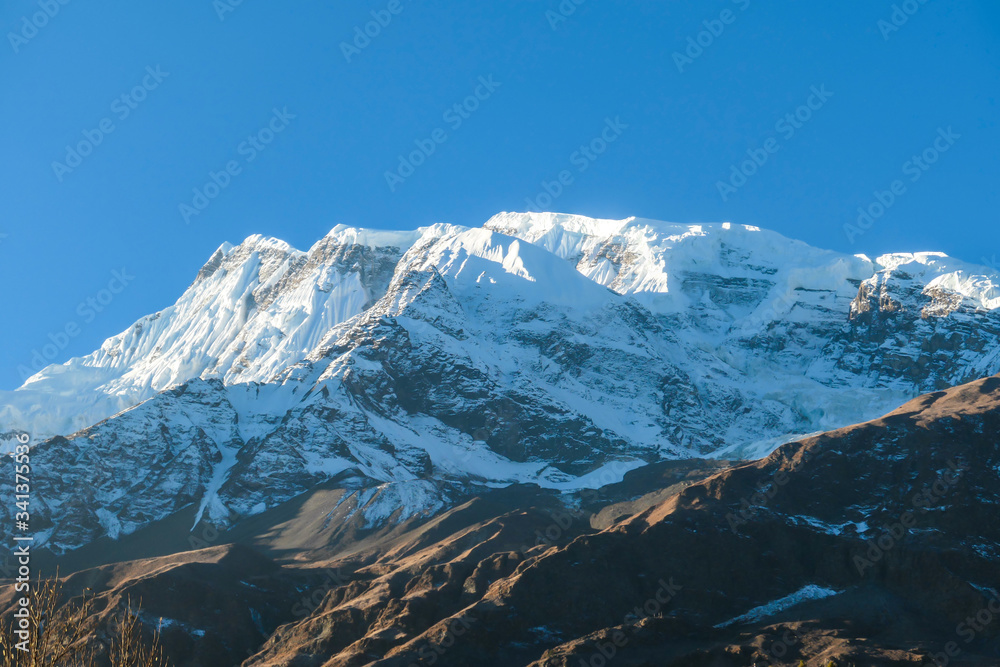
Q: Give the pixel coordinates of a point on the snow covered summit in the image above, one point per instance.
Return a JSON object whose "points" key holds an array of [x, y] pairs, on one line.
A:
{"points": [[550, 348]]}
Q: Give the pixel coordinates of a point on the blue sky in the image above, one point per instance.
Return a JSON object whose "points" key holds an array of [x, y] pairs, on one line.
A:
{"points": [[300, 131]]}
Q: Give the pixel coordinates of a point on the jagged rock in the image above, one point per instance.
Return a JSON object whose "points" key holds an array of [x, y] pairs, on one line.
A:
{"points": [[541, 348]]}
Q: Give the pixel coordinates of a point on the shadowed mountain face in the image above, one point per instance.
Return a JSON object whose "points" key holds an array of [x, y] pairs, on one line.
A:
{"points": [[416, 369], [875, 544]]}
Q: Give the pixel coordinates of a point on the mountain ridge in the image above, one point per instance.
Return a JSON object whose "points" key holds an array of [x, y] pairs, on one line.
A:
{"points": [[549, 231], [542, 348], [874, 544]]}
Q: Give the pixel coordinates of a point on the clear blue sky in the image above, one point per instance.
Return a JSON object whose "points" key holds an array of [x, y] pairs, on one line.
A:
{"points": [[559, 80]]}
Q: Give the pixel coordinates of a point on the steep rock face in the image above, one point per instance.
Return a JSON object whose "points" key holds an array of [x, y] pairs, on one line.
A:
{"points": [[874, 544], [253, 310], [120, 474], [542, 348], [923, 319]]}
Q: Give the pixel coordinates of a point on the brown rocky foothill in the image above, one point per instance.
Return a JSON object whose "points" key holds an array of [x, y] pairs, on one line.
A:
{"points": [[875, 544]]}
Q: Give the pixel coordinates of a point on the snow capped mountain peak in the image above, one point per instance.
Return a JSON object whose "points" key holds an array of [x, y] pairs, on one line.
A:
{"points": [[372, 238], [253, 310], [260, 307], [540, 347], [668, 267], [480, 261]]}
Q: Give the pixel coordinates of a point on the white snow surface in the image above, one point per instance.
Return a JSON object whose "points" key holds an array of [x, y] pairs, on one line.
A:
{"points": [[540, 347], [267, 306], [260, 311], [810, 592]]}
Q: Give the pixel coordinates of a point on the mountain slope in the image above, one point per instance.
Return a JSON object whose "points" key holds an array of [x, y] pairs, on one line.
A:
{"points": [[252, 311], [876, 544], [419, 366]]}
